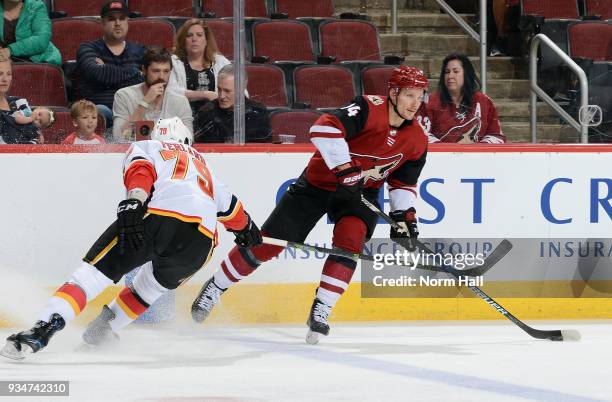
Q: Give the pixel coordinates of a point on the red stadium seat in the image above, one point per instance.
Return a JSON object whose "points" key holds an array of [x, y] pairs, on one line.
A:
{"points": [[62, 127], [40, 84], [301, 8], [602, 8], [323, 86], [282, 40], [225, 8], [79, 8], [374, 80], [349, 40], [70, 33], [266, 84], [591, 40], [294, 122], [223, 30], [151, 31], [551, 9], [175, 8]]}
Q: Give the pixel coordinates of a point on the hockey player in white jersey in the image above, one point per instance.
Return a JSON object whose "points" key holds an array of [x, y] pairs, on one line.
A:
{"points": [[169, 217]]}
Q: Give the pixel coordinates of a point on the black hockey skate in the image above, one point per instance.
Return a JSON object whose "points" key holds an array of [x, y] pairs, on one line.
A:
{"points": [[31, 341], [317, 321], [206, 300], [99, 331]]}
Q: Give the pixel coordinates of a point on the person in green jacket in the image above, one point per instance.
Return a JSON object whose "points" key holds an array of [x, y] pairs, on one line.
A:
{"points": [[25, 32]]}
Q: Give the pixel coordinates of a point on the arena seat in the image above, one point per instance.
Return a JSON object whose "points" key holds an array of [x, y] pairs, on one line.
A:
{"points": [[225, 8], [39, 83], [69, 33], [602, 8], [151, 31], [267, 85], [294, 122], [73, 8], [374, 79], [174, 8], [300, 8], [282, 40], [323, 86], [349, 40]]}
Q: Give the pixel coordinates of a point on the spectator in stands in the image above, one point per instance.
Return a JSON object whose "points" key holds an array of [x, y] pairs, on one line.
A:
{"points": [[84, 116], [196, 64], [501, 14], [458, 111], [108, 64], [25, 32], [149, 100], [12, 132], [215, 120]]}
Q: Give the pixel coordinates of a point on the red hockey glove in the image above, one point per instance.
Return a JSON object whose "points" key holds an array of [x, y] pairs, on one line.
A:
{"points": [[346, 200], [249, 236], [407, 221]]}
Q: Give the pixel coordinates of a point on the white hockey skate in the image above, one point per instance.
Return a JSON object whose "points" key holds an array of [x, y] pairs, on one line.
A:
{"points": [[207, 299]]}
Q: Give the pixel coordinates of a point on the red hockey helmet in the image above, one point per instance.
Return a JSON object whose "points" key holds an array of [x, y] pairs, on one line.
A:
{"points": [[408, 77]]}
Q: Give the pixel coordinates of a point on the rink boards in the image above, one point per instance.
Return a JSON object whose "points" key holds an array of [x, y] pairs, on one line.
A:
{"points": [[58, 200]]}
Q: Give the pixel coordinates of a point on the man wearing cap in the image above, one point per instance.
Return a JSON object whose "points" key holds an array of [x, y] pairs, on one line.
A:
{"points": [[110, 63], [372, 140]]}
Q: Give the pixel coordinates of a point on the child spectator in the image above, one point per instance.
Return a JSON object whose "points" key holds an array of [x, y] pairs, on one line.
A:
{"points": [[84, 116], [41, 116]]}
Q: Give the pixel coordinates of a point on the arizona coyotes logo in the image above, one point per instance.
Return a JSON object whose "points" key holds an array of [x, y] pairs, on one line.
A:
{"points": [[375, 168], [471, 128]]}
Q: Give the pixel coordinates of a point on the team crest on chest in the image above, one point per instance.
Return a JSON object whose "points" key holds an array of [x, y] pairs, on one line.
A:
{"points": [[391, 137], [376, 168], [376, 100]]}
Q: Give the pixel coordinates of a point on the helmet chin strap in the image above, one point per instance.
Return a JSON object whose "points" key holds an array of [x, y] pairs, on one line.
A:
{"points": [[395, 109]]}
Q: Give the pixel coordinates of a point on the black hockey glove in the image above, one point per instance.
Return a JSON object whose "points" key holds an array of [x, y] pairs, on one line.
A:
{"points": [[408, 222], [249, 236], [130, 227], [346, 200]]}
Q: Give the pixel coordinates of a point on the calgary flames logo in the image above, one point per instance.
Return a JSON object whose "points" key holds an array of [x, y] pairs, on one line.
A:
{"points": [[376, 168]]}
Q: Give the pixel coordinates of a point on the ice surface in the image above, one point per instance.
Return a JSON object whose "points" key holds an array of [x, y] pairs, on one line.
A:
{"points": [[433, 361]]}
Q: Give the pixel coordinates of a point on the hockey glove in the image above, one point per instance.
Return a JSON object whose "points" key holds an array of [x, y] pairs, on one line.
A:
{"points": [[346, 200], [408, 224], [130, 227], [249, 236]]}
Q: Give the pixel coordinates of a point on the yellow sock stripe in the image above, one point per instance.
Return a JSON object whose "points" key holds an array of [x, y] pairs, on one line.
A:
{"points": [[126, 309], [70, 300]]}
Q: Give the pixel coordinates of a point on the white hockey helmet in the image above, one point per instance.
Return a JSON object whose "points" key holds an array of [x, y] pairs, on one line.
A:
{"points": [[172, 130]]}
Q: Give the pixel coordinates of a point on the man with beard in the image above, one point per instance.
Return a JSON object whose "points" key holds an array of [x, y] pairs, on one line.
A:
{"points": [[110, 63], [149, 100]]}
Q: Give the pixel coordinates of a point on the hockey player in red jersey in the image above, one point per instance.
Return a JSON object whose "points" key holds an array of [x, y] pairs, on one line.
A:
{"points": [[361, 146], [169, 217], [458, 112]]}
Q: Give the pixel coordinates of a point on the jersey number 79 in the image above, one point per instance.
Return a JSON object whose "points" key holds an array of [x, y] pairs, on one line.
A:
{"points": [[181, 166]]}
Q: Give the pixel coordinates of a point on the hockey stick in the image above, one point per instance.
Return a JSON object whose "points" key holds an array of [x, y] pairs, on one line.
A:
{"points": [[491, 260], [553, 335]]}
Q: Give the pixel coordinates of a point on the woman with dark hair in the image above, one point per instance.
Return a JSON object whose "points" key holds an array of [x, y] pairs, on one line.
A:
{"points": [[459, 112], [196, 63]]}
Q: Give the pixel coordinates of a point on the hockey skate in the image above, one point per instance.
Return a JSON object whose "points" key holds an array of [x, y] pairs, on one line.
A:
{"points": [[206, 300], [31, 341], [99, 331], [317, 321]]}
